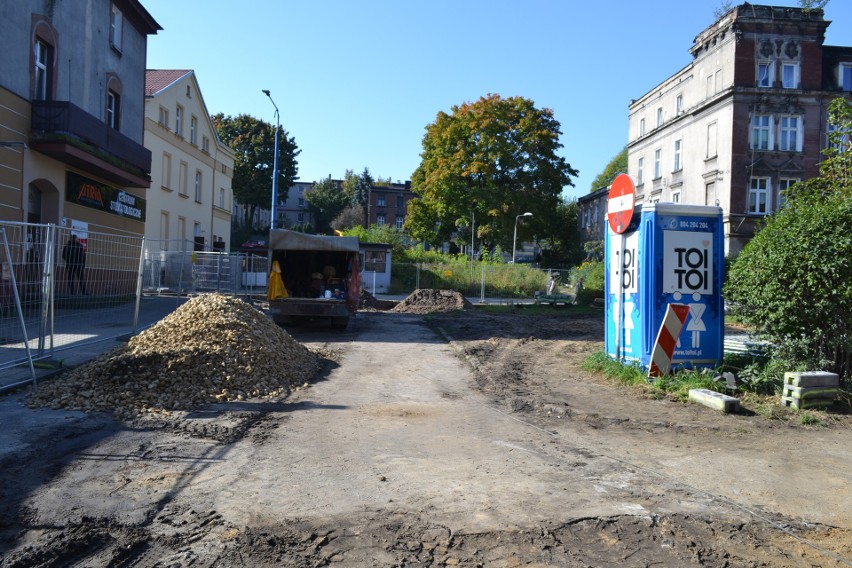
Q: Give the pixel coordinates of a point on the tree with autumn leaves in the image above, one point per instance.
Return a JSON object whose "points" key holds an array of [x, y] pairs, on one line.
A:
{"points": [[253, 142], [485, 163]]}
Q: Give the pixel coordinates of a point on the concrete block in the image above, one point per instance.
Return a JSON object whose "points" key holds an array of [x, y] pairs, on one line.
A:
{"points": [[810, 393], [801, 404], [715, 400], [812, 379]]}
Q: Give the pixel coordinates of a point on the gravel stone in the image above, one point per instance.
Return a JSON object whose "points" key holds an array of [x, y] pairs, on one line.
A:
{"points": [[214, 348]]}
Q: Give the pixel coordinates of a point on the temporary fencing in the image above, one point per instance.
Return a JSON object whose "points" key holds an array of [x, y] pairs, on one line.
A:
{"points": [[62, 287], [56, 283]]}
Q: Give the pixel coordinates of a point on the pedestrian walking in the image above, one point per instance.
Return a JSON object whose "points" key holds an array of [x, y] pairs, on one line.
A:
{"points": [[74, 256]]}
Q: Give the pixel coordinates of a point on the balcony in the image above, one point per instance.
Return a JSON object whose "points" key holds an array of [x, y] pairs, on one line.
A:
{"points": [[68, 133]]}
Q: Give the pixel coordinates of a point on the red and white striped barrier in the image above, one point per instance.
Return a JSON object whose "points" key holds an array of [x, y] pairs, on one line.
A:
{"points": [[661, 358]]}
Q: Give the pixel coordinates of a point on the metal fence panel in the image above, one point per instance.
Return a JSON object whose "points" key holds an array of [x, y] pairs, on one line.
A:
{"points": [[70, 284]]}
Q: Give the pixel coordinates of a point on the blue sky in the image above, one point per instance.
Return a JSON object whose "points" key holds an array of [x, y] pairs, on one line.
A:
{"points": [[357, 82]]}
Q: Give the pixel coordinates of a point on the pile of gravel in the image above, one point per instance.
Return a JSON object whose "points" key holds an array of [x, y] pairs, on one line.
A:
{"points": [[369, 302], [213, 348], [429, 301]]}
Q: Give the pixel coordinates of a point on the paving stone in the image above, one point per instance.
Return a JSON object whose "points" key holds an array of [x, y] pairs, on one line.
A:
{"points": [[715, 400], [800, 404], [810, 393], [812, 379]]}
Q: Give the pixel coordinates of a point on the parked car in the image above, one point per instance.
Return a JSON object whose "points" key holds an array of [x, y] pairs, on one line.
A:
{"points": [[253, 244]]}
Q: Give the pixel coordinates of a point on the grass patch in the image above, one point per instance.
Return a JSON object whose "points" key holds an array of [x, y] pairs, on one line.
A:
{"points": [[630, 375], [677, 385], [539, 310]]}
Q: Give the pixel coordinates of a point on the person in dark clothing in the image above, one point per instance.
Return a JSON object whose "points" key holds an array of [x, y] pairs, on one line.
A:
{"points": [[74, 256]]}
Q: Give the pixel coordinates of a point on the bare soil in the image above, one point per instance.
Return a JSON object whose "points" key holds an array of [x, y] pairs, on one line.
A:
{"points": [[453, 439]]}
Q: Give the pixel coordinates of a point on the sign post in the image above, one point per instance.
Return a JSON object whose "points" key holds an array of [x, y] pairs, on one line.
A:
{"points": [[619, 213]]}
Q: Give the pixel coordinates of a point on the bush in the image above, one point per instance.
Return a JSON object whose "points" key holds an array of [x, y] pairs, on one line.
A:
{"points": [[591, 274], [792, 283]]}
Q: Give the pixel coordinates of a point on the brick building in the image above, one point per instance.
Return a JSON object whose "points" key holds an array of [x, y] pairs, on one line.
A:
{"points": [[745, 119]]}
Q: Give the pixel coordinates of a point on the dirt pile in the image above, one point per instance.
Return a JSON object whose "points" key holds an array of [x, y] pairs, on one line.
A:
{"points": [[213, 348], [429, 301], [370, 302]]}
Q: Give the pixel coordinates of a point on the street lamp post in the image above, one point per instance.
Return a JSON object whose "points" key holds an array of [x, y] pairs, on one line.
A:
{"points": [[515, 239], [272, 216]]}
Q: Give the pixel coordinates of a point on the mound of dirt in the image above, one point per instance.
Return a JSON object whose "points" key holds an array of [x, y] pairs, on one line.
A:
{"points": [[370, 302], [214, 348], [429, 301]]}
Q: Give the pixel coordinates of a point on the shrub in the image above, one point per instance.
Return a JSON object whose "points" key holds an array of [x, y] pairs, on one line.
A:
{"points": [[792, 283]]}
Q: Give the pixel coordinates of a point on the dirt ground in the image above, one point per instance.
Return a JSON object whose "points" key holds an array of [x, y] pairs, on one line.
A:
{"points": [[453, 439]]}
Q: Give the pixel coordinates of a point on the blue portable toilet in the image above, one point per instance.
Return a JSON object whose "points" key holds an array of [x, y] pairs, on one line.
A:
{"points": [[670, 254]]}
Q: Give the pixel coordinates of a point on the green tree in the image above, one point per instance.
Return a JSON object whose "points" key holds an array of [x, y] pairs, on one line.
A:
{"points": [[325, 202], [351, 216], [617, 165], [793, 281], [489, 161], [253, 142], [560, 237]]}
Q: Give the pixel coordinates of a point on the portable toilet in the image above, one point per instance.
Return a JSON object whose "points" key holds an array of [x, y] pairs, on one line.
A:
{"points": [[670, 254]]}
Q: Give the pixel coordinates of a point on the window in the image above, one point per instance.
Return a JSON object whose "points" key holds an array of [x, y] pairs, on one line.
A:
{"points": [[380, 201], [198, 186], [641, 127], [300, 217], [676, 196], [790, 75], [164, 117], [181, 234], [205, 144], [221, 198], [783, 185], [399, 221], [640, 172], [710, 193], [837, 139], [113, 110], [758, 196], [659, 117], [115, 25], [658, 168], [380, 220], [193, 131], [679, 105], [375, 260], [677, 165], [301, 202], [761, 132], [844, 76], [167, 171], [184, 169], [42, 74], [714, 83], [400, 202], [712, 147], [765, 71], [179, 120], [790, 140], [164, 230]]}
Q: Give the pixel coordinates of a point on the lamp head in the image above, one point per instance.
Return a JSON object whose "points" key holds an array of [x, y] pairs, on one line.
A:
{"points": [[266, 92], [528, 214]]}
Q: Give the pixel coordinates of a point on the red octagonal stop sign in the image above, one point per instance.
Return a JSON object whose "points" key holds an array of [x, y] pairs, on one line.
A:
{"points": [[620, 203]]}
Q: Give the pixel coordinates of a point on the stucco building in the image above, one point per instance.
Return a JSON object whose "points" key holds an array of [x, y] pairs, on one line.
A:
{"points": [[71, 114], [191, 196], [744, 120]]}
